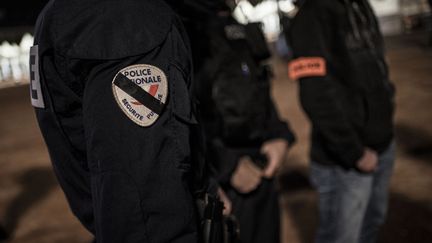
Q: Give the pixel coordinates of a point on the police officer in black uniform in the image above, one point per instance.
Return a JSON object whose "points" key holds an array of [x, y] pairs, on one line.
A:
{"points": [[346, 92], [109, 83], [246, 140]]}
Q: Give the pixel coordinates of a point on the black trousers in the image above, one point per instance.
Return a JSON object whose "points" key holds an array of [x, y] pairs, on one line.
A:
{"points": [[258, 213]]}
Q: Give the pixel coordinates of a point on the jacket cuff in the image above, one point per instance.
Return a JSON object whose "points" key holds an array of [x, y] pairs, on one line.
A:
{"points": [[349, 158], [285, 133]]}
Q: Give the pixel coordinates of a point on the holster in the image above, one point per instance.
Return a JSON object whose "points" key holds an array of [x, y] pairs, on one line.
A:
{"points": [[214, 227]]}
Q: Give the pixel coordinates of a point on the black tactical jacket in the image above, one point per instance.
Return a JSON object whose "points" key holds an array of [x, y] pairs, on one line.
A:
{"points": [[351, 103], [218, 59], [110, 86]]}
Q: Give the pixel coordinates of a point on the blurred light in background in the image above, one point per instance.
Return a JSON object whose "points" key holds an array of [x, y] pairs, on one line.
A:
{"points": [[14, 61], [395, 16], [266, 12]]}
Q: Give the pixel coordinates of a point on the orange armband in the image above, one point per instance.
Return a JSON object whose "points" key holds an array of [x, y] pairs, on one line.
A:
{"points": [[304, 67]]}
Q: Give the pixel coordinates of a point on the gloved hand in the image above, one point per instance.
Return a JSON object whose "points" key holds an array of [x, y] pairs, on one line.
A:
{"points": [[276, 151], [247, 176]]}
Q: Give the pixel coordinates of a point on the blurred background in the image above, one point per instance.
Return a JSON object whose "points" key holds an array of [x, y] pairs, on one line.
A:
{"points": [[33, 207]]}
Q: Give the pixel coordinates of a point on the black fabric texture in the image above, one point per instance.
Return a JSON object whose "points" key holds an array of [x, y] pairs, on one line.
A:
{"points": [[257, 42], [258, 213]]}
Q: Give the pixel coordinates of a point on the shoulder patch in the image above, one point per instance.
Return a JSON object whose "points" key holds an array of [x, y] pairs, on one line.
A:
{"points": [[307, 67], [36, 95], [141, 92]]}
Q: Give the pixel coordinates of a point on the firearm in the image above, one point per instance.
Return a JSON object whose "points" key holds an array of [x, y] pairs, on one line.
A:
{"points": [[232, 230], [215, 228]]}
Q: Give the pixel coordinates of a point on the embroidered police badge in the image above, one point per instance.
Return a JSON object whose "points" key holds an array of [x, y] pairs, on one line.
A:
{"points": [[141, 92]]}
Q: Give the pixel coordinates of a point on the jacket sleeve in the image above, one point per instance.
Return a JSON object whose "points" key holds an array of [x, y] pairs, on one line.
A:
{"points": [[223, 161], [278, 128], [320, 94]]}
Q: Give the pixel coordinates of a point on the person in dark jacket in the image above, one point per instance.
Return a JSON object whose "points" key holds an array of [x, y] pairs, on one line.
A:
{"points": [[246, 140], [110, 87], [346, 92]]}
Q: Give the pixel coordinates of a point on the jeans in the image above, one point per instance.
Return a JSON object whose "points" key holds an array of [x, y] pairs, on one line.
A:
{"points": [[352, 205]]}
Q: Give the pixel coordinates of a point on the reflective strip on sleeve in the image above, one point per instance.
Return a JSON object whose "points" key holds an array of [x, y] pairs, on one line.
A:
{"points": [[36, 96], [307, 67]]}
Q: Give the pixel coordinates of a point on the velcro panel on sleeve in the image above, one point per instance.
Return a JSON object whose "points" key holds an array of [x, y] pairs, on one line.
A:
{"points": [[307, 67]]}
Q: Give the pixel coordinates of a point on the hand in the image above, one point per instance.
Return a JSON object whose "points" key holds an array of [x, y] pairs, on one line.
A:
{"points": [[368, 163], [276, 151], [226, 201], [247, 176]]}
